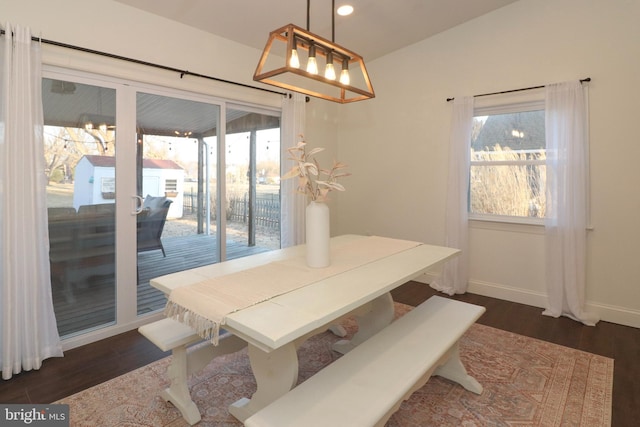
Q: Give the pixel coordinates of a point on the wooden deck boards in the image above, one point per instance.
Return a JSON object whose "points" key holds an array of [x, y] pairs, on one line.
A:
{"points": [[91, 304]]}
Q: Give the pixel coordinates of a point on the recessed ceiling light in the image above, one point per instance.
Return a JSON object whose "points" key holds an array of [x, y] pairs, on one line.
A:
{"points": [[345, 10]]}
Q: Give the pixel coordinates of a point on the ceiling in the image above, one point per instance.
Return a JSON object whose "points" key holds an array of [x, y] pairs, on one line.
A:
{"points": [[376, 27]]}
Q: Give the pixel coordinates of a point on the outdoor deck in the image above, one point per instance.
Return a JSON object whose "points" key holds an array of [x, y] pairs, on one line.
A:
{"points": [[91, 304]]}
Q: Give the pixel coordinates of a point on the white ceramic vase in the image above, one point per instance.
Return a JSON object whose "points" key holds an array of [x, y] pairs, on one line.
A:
{"points": [[317, 233]]}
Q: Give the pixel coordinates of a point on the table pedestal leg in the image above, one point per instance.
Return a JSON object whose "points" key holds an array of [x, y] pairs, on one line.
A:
{"points": [[276, 373], [378, 316]]}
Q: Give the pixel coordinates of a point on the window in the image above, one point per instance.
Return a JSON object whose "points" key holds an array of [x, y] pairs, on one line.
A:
{"points": [[171, 185], [507, 173]]}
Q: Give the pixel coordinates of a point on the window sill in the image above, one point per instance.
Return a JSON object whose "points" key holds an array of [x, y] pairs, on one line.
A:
{"points": [[507, 223]]}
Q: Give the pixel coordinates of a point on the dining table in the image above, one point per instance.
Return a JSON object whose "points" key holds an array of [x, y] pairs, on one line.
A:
{"points": [[275, 302]]}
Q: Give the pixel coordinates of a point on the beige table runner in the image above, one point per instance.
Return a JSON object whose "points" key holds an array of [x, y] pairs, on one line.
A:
{"points": [[204, 305]]}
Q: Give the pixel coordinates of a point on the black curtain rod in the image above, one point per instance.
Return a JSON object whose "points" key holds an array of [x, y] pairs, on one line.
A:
{"points": [[588, 79], [149, 64]]}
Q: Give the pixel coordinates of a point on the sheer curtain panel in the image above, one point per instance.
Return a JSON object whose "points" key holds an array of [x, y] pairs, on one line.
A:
{"points": [[566, 222], [28, 332], [455, 274], [293, 206]]}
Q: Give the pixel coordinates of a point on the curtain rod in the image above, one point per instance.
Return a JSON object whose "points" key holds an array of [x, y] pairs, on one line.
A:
{"points": [[588, 79], [149, 64]]}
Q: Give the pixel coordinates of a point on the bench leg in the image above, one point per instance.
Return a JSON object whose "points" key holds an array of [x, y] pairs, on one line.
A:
{"points": [[178, 391], [338, 330], [184, 363], [377, 317], [454, 370], [276, 373]]}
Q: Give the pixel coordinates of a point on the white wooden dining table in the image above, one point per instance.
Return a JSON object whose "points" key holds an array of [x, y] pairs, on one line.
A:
{"points": [[276, 326]]}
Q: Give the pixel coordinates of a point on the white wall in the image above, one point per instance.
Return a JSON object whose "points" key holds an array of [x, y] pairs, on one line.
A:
{"points": [[109, 26], [397, 143], [83, 184], [154, 181]]}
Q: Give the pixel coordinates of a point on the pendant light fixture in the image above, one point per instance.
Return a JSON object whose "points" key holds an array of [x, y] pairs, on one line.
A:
{"points": [[291, 59]]}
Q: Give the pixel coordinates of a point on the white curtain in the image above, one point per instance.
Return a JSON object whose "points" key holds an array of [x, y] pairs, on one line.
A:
{"points": [[293, 206], [566, 222], [455, 274], [28, 332]]}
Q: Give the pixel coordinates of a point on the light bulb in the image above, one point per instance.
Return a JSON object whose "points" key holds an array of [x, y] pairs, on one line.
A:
{"points": [[312, 64], [344, 74], [344, 77], [330, 71], [294, 61]]}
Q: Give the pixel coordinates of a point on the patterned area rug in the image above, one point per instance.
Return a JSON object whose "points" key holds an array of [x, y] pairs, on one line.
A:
{"points": [[526, 382]]}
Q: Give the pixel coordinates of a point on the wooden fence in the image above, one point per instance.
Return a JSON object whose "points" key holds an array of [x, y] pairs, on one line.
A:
{"points": [[266, 212]]}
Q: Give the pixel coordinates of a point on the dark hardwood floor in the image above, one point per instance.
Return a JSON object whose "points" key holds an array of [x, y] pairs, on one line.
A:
{"points": [[92, 364]]}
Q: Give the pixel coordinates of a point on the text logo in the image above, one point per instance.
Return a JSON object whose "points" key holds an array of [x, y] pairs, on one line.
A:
{"points": [[34, 415]]}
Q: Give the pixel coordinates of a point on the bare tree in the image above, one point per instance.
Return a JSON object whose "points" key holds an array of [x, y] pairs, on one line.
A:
{"points": [[65, 146]]}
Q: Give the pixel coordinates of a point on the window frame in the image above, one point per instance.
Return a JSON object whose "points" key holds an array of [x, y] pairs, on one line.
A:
{"points": [[510, 103]]}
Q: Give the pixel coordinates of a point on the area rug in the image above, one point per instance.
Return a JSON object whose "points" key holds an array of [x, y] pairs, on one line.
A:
{"points": [[527, 382]]}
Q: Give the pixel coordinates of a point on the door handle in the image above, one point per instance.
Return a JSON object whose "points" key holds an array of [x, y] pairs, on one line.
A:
{"points": [[138, 203]]}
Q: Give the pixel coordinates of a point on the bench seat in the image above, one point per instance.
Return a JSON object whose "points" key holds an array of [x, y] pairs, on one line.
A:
{"points": [[168, 334], [171, 335], [367, 385]]}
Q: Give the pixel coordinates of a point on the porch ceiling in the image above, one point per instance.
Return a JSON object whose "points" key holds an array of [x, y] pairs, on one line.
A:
{"points": [[71, 105]]}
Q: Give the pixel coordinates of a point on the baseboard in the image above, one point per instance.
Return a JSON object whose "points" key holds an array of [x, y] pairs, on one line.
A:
{"points": [[607, 313], [615, 314]]}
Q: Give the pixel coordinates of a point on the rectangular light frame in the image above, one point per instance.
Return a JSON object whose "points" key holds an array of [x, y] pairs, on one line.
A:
{"points": [[287, 34]]}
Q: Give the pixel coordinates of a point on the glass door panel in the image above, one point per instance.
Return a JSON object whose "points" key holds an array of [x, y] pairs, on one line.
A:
{"points": [[79, 138], [252, 181], [176, 181]]}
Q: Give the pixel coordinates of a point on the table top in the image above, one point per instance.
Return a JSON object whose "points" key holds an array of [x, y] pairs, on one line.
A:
{"points": [[282, 319]]}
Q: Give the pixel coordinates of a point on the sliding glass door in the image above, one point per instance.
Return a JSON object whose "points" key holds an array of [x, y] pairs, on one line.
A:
{"points": [[191, 181], [183, 222], [176, 186], [80, 148]]}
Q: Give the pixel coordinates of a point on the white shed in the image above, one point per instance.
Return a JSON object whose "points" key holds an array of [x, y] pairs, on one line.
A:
{"points": [[95, 183]]}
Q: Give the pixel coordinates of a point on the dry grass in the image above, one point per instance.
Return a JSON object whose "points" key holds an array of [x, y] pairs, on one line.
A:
{"points": [[508, 189], [59, 195]]}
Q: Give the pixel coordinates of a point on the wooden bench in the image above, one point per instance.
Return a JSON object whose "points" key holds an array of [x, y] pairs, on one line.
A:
{"points": [[169, 334], [367, 385]]}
